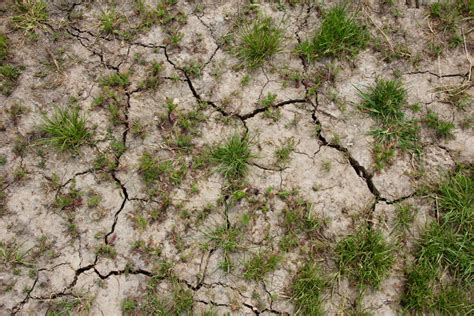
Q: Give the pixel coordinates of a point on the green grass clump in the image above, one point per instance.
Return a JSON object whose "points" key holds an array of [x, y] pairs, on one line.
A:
{"points": [[384, 102], [232, 157], [442, 275], [110, 21], [306, 290], [179, 301], [167, 171], [227, 239], [443, 129], [31, 14], [365, 257], [3, 47], [339, 35], [115, 80], [405, 214], [448, 17], [9, 75], [283, 153], [66, 129], [259, 265], [259, 42]]}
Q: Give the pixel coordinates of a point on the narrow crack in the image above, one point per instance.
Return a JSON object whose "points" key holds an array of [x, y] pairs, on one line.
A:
{"points": [[464, 76]]}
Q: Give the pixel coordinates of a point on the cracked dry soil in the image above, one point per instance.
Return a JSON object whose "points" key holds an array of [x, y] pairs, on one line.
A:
{"points": [[118, 239]]}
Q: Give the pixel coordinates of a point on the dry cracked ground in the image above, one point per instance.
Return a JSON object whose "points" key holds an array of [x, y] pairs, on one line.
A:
{"points": [[236, 157]]}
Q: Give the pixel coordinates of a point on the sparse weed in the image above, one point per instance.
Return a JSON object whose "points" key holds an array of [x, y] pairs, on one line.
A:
{"points": [[153, 170], [66, 129], [259, 265], [448, 16], [457, 95], [268, 101], [154, 76], [69, 306], [128, 306], [232, 157], [365, 257], [282, 154], [259, 42], [339, 35], [107, 251], [443, 129], [115, 80], [9, 74], [227, 239], [155, 302]]}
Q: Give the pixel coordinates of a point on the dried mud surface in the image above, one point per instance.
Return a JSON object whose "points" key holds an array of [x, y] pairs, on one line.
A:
{"points": [[90, 253]]}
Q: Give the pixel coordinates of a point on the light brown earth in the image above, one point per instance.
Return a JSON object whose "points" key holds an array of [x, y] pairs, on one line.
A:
{"points": [[332, 164]]}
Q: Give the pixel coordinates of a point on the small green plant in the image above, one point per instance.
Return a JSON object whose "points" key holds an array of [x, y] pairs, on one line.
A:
{"points": [[3, 47], [443, 129], [259, 42], [149, 168], [306, 290], [365, 257], [115, 80], [283, 154], [129, 306], [65, 129], [384, 102], [440, 279], [30, 15], [339, 35], [153, 170], [69, 306], [259, 265], [153, 79], [227, 239], [93, 199], [448, 17], [268, 101], [107, 251], [405, 214], [457, 95], [9, 75], [232, 157], [110, 21]]}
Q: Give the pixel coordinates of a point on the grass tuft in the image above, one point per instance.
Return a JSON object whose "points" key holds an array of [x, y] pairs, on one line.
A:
{"points": [[259, 42], [31, 14], [115, 80], [365, 257], [66, 129], [339, 34], [110, 21], [443, 129], [384, 102], [232, 157], [306, 290], [443, 271], [3, 47], [259, 265]]}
